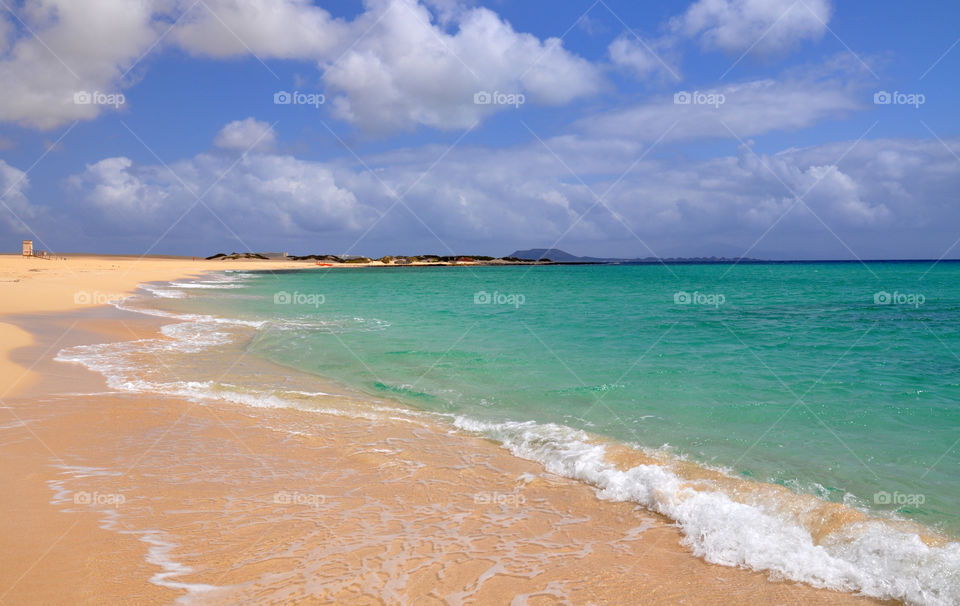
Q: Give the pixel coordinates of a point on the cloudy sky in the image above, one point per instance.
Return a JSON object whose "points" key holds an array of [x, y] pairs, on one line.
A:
{"points": [[766, 128]]}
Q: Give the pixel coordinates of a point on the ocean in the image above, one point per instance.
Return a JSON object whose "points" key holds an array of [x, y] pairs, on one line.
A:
{"points": [[800, 419]]}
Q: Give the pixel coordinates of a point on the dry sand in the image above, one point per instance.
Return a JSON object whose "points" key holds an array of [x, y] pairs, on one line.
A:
{"points": [[122, 498]]}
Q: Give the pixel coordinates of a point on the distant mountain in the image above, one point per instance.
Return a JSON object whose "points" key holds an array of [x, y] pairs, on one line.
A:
{"points": [[562, 256], [554, 254]]}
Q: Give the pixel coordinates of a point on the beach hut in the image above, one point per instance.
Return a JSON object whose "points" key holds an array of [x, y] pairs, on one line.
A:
{"points": [[28, 248]]}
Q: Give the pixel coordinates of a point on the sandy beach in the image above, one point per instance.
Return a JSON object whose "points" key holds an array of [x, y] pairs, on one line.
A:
{"points": [[508, 303], [136, 498]]}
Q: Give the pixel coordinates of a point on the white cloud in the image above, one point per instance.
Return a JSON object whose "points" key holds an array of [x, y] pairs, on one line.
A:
{"points": [[885, 198], [408, 72], [280, 194], [288, 29], [86, 46], [796, 100], [641, 58], [89, 46], [125, 193], [246, 135], [757, 26], [390, 68]]}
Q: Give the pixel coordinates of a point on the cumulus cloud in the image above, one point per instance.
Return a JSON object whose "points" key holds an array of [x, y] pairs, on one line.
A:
{"points": [[881, 198], [126, 193], [280, 194], [408, 72], [884, 198], [79, 47], [755, 26], [286, 29], [246, 135]]}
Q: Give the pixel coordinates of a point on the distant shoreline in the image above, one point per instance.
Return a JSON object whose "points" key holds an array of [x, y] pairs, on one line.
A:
{"points": [[293, 262]]}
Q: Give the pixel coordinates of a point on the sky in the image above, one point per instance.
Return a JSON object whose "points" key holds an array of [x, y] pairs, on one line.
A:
{"points": [[775, 129]]}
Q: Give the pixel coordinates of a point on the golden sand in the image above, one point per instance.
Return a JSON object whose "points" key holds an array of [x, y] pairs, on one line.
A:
{"points": [[125, 498]]}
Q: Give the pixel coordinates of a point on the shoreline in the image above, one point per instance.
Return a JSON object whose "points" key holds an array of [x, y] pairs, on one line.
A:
{"points": [[391, 464], [36, 285]]}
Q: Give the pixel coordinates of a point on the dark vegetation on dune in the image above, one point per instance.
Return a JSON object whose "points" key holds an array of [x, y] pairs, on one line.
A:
{"points": [[388, 259], [236, 255]]}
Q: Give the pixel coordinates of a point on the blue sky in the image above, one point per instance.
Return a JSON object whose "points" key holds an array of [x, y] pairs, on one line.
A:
{"points": [[786, 148]]}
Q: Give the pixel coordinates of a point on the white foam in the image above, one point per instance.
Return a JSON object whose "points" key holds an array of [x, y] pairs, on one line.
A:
{"points": [[164, 293], [199, 318], [123, 373], [337, 326], [160, 547], [206, 285], [121, 363], [873, 557]]}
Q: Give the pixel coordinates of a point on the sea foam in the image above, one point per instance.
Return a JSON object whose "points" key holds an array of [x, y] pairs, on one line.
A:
{"points": [[872, 557]]}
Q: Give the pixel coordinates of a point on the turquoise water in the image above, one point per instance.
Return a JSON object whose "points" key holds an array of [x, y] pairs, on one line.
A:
{"points": [[791, 374]]}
